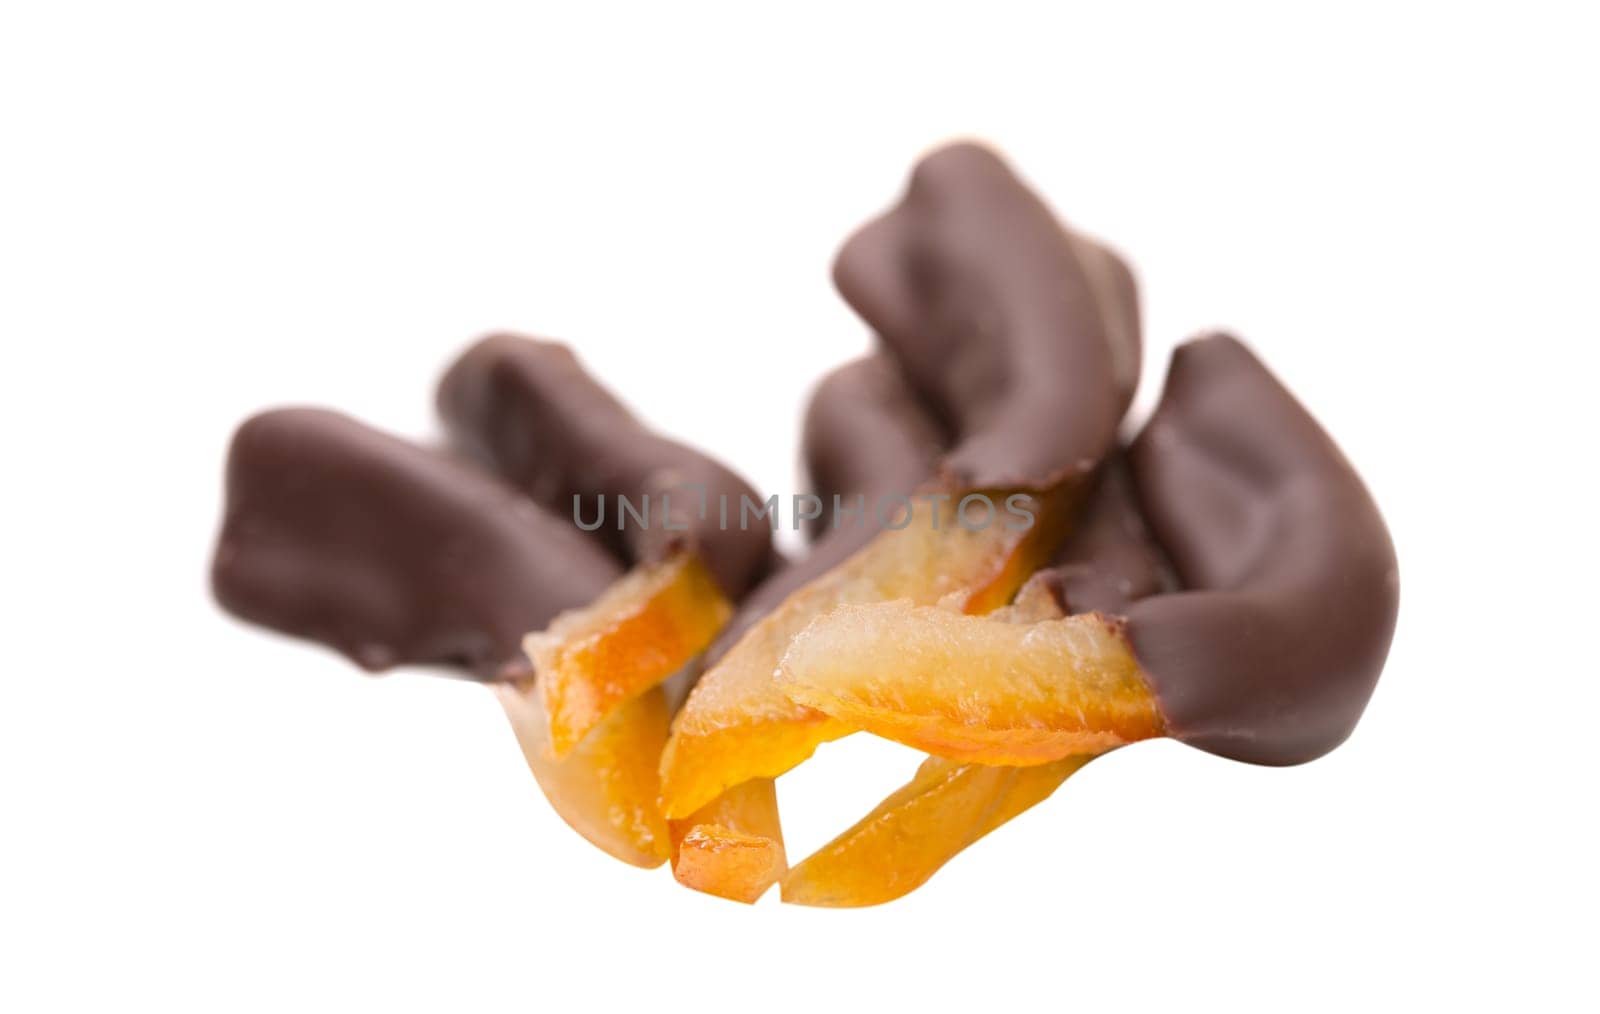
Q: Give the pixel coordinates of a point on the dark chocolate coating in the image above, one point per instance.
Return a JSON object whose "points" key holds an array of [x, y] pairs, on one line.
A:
{"points": [[1022, 337], [1109, 561], [528, 410], [865, 435], [1292, 588], [391, 553]]}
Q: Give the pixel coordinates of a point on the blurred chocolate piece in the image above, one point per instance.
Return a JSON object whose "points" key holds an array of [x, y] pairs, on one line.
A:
{"points": [[388, 552], [864, 436], [1021, 337], [528, 410], [1109, 561], [1291, 586]]}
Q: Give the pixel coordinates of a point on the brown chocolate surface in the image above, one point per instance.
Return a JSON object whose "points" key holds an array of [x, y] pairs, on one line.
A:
{"points": [[388, 552], [1291, 586], [1021, 337], [865, 435], [528, 410], [1109, 560]]}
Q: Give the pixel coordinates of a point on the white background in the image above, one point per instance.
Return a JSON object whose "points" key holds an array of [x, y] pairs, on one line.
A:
{"points": [[208, 210]]}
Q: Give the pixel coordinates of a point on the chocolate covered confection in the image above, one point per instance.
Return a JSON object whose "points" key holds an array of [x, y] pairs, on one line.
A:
{"points": [[391, 553], [528, 410], [866, 435], [1291, 588], [1225, 579], [1020, 336]]}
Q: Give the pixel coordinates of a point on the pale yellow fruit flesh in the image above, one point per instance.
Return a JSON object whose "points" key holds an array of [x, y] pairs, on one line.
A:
{"points": [[975, 689]]}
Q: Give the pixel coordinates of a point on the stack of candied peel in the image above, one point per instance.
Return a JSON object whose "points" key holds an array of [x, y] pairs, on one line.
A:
{"points": [[991, 577]]}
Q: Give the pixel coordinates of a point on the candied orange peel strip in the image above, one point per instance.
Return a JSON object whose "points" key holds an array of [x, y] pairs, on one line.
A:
{"points": [[895, 849], [971, 688], [738, 724], [1027, 787], [643, 629], [946, 807], [733, 846], [605, 789]]}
